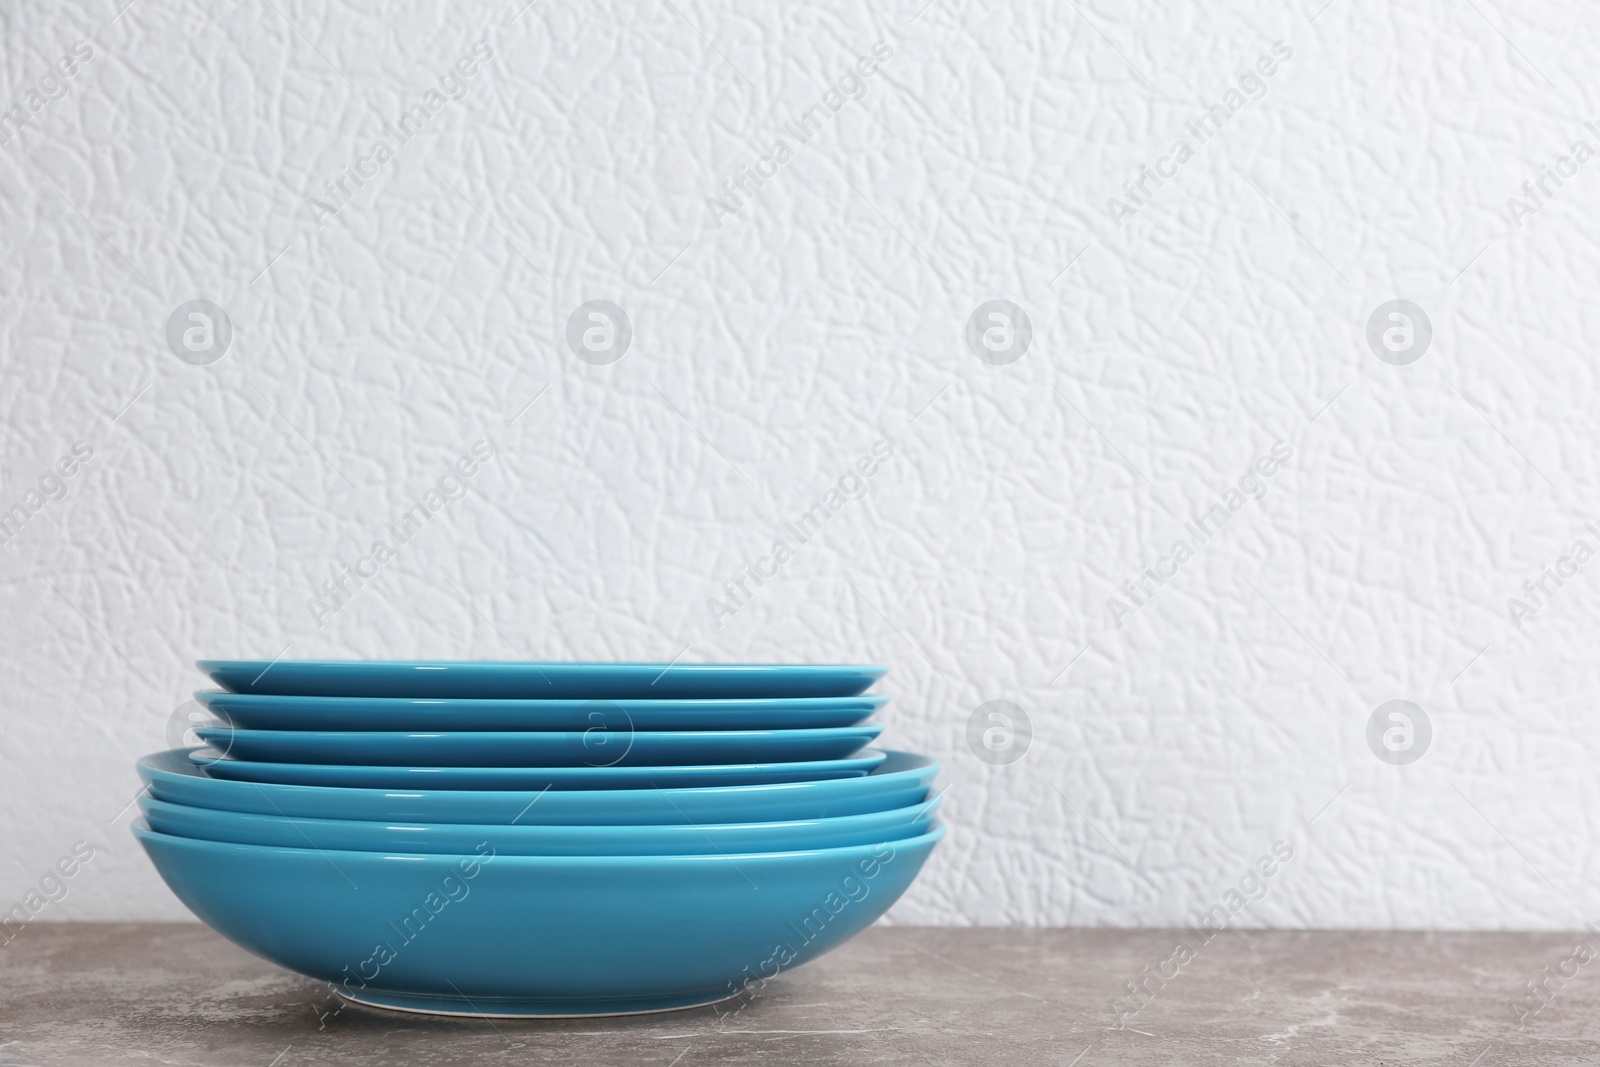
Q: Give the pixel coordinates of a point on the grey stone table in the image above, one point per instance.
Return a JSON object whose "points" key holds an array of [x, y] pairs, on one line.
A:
{"points": [[139, 994]]}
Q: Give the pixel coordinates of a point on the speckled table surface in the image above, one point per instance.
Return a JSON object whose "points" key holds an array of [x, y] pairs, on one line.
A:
{"points": [[178, 994]]}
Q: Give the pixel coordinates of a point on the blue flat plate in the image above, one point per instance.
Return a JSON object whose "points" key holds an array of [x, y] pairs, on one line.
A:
{"points": [[902, 778], [522, 680], [491, 934], [715, 839], [524, 778], [263, 711], [603, 746]]}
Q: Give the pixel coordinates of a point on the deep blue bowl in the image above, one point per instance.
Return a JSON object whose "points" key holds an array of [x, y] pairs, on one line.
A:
{"points": [[490, 934]]}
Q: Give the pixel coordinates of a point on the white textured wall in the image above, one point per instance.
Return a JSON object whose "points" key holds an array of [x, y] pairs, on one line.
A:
{"points": [[774, 341]]}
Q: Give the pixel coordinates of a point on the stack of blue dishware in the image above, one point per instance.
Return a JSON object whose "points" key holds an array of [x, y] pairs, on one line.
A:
{"points": [[538, 839]]}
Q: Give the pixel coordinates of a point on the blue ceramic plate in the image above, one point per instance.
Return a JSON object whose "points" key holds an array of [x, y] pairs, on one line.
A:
{"points": [[902, 778], [598, 747], [342, 774], [491, 934], [521, 680], [716, 839], [261, 711]]}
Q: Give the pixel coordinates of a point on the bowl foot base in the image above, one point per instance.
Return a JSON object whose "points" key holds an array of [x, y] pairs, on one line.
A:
{"points": [[501, 1008]]}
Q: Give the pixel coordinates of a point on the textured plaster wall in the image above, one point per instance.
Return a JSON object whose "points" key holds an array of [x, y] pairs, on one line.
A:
{"points": [[1159, 746]]}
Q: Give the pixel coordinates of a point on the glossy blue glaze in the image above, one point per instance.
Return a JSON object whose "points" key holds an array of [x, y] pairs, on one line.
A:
{"points": [[181, 820], [265, 711], [903, 778], [611, 744], [475, 778], [532, 680], [492, 934]]}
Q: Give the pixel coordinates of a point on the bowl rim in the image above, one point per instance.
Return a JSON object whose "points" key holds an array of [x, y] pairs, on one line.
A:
{"points": [[910, 813], [875, 700], [866, 730], [208, 665], [145, 834], [179, 765]]}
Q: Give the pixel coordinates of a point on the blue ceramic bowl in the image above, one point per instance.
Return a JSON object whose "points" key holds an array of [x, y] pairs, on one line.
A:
{"points": [[527, 936], [902, 778], [244, 828], [614, 744]]}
